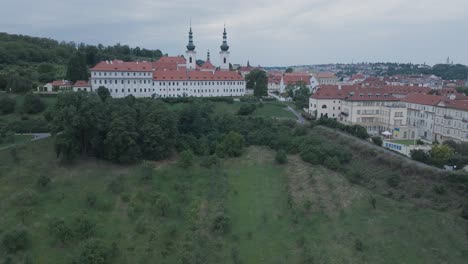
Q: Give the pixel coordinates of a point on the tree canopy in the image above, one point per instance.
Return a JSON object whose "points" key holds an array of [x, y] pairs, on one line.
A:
{"points": [[258, 81]]}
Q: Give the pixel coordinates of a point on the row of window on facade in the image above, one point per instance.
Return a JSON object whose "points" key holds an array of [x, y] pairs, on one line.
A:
{"points": [[144, 90], [164, 83], [121, 74]]}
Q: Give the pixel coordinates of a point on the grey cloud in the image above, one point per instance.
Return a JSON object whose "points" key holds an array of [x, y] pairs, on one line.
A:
{"points": [[266, 32]]}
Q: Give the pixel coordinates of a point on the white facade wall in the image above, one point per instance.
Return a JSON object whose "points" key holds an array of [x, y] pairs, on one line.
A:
{"points": [[421, 117], [121, 84], [325, 107], [451, 124], [199, 88]]}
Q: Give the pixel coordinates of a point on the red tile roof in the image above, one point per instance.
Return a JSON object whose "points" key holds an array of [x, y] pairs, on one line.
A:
{"points": [[207, 65], [358, 77], [118, 65], [352, 93], [457, 104], [81, 83], [60, 83], [325, 75], [294, 78], [423, 99], [182, 75], [168, 63]]}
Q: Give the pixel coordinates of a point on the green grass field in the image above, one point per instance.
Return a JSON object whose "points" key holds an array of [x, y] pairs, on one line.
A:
{"points": [[404, 142], [268, 109], [18, 139], [293, 213]]}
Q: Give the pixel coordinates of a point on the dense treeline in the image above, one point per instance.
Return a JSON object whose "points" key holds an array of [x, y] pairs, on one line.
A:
{"points": [[445, 71], [41, 60]]}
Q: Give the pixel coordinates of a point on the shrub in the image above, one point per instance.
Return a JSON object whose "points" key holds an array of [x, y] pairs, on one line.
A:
{"points": [[60, 230], [160, 203], [93, 251], [33, 104], [332, 163], [117, 185], [7, 105], [16, 239], [145, 172], [358, 245], [27, 197], [393, 180], [439, 189], [231, 145], [464, 212], [221, 224], [83, 226], [91, 199], [246, 109], [186, 159], [209, 161], [281, 157], [43, 181], [377, 140]]}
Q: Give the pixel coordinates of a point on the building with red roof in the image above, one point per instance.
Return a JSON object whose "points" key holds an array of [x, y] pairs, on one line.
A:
{"points": [[326, 78], [175, 76], [56, 86], [373, 108], [81, 86]]}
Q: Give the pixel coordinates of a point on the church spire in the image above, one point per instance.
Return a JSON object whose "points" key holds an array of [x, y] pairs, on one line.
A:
{"points": [[190, 45], [224, 46]]}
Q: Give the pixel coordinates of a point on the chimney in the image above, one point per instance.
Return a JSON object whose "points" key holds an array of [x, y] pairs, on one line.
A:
{"points": [[339, 87], [110, 62]]}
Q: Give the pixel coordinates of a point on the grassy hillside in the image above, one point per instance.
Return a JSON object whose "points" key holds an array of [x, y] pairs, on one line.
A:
{"points": [[293, 213]]}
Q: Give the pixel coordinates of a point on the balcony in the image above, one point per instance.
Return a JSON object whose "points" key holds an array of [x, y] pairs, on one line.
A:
{"points": [[447, 117]]}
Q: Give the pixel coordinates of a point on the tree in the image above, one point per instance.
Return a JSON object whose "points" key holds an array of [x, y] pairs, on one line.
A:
{"points": [[377, 140], [83, 227], [289, 70], [231, 145], [301, 95], [420, 155], [186, 159], [93, 251], [18, 84], [246, 109], [60, 230], [258, 81], [121, 141], [7, 105], [103, 93], [333, 163], [16, 239], [441, 154], [76, 68], [281, 157], [160, 203], [33, 104]]}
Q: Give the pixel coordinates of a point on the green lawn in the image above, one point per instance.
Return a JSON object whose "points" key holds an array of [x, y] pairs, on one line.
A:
{"points": [[18, 139], [294, 213], [268, 109], [403, 142]]}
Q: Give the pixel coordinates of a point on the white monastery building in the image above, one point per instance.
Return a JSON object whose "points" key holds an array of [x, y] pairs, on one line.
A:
{"points": [[170, 76]]}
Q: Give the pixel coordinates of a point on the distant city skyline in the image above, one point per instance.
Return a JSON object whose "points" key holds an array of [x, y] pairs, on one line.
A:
{"points": [[267, 33]]}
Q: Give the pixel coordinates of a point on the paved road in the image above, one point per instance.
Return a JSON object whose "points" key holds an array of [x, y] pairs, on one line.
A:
{"points": [[301, 120], [36, 136]]}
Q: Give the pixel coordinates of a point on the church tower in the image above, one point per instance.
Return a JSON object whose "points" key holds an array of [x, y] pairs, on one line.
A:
{"points": [[191, 53], [224, 53]]}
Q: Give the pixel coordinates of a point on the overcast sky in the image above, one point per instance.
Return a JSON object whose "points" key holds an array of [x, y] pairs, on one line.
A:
{"points": [[266, 32]]}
